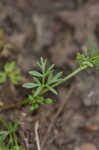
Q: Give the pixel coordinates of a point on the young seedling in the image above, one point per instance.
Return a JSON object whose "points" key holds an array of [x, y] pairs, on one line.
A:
{"points": [[45, 80], [11, 73], [8, 138]]}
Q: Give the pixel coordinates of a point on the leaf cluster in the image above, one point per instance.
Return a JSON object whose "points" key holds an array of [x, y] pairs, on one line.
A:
{"points": [[42, 80], [8, 138], [92, 60], [37, 101], [10, 72]]}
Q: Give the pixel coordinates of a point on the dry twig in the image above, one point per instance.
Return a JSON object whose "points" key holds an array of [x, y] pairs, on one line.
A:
{"points": [[37, 135]]}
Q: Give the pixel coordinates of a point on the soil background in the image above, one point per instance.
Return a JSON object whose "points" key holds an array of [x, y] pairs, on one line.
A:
{"points": [[56, 30]]}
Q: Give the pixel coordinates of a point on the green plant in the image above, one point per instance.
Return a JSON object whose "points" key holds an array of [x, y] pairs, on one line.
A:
{"points": [[45, 80], [10, 72], [8, 138], [92, 58]]}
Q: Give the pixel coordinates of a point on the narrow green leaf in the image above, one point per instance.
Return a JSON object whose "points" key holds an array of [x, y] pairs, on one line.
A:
{"points": [[35, 73], [36, 80], [56, 78], [37, 92], [33, 107], [16, 72], [50, 77], [3, 132], [52, 90], [3, 147], [38, 63], [80, 58], [42, 60], [36, 106], [58, 75], [88, 63], [15, 77], [18, 78], [48, 100], [30, 97], [3, 136], [39, 99], [30, 85], [3, 77], [50, 68], [9, 66], [43, 64], [13, 80], [15, 126]]}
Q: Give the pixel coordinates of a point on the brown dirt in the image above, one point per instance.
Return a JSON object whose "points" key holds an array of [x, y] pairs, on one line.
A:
{"points": [[55, 30]]}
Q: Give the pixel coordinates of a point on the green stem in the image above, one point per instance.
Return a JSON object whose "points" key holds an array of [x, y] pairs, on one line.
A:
{"points": [[65, 78], [15, 140], [18, 104], [11, 106]]}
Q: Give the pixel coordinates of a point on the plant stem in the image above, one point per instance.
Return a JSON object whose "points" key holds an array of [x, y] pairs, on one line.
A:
{"points": [[15, 140], [11, 106], [18, 104], [66, 78]]}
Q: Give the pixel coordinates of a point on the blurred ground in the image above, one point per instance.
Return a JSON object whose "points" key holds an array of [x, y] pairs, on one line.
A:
{"points": [[55, 30]]}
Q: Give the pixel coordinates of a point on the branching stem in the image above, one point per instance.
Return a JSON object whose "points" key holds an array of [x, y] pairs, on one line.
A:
{"points": [[26, 101]]}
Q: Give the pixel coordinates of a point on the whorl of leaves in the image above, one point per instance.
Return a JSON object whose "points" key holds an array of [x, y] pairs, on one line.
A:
{"points": [[8, 138], [10, 72], [41, 80], [92, 60]]}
